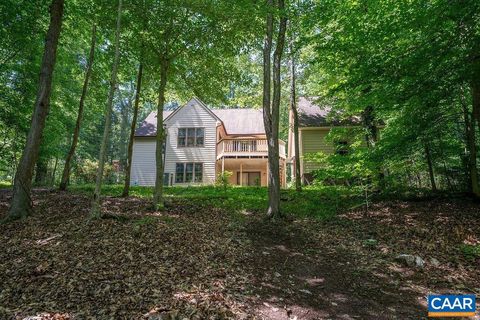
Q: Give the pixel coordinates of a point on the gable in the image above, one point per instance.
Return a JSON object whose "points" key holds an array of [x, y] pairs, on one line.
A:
{"points": [[192, 107]]}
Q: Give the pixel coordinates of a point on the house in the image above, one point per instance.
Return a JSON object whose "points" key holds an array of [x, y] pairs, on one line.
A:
{"points": [[203, 142], [314, 124]]}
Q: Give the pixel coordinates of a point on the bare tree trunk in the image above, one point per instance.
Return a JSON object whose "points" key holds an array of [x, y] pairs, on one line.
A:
{"points": [[472, 151], [122, 150], [476, 85], [271, 113], [21, 204], [476, 100], [76, 132], [54, 172], [293, 108], [126, 187], [158, 202], [430, 167], [41, 172], [108, 117]]}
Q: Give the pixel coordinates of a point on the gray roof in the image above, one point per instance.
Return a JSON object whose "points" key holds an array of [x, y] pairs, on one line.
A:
{"points": [[148, 128], [311, 114], [239, 121]]}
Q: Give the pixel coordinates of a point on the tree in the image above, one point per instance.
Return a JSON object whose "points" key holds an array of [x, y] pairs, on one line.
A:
{"points": [[108, 117], [411, 61], [271, 107], [21, 203], [138, 88], [76, 132], [294, 112], [191, 42]]}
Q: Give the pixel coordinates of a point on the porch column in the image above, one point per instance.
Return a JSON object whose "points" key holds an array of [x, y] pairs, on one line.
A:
{"points": [[241, 174], [223, 165]]}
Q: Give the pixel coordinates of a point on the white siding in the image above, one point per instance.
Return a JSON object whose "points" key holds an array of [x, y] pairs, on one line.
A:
{"points": [[192, 115], [143, 162]]}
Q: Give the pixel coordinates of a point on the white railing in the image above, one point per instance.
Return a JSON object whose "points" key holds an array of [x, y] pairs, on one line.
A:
{"points": [[246, 147]]}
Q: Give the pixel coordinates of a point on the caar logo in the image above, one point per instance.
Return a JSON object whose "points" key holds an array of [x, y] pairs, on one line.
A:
{"points": [[451, 305]]}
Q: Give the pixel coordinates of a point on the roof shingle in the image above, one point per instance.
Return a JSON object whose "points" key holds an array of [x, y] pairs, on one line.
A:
{"points": [[313, 115], [239, 121]]}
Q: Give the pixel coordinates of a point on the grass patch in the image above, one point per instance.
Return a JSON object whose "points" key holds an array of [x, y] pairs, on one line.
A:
{"points": [[320, 202], [5, 184], [471, 252]]}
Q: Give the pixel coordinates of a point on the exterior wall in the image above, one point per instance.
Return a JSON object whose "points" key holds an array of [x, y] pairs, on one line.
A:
{"points": [[192, 115], [313, 140], [143, 162]]}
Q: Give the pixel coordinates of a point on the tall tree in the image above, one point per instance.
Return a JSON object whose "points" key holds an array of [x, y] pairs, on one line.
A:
{"points": [[21, 203], [160, 137], [108, 117], [188, 38], [76, 131], [294, 112], [138, 88], [271, 105]]}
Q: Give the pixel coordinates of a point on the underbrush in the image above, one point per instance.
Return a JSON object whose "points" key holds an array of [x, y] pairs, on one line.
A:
{"points": [[320, 202], [5, 184]]}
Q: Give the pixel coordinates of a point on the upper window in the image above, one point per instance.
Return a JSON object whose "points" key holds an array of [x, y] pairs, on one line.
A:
{"points": [[191, 137]]}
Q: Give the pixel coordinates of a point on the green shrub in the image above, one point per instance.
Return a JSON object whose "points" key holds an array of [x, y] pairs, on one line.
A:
{"points": [[223, 179], [86, 172], [471, 252]]}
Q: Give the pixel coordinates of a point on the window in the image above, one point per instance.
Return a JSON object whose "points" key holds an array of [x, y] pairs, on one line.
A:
{"points": [[179, 172], [182, 134], [191, 137], [188, 172], [198, 172], [341, 148]]}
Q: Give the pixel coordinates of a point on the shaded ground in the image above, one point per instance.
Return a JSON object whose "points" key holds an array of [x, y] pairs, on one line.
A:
{"points": [[197, 261]]}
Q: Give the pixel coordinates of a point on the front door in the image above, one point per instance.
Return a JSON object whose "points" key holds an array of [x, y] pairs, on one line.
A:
{"points": [[249, 178]]}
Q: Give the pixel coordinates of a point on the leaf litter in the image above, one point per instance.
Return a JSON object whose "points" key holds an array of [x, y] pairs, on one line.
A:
{"points": [[195, 261]]}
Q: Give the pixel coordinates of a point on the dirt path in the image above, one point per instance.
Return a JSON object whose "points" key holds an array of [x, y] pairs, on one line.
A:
{"points": [[197, 262]]}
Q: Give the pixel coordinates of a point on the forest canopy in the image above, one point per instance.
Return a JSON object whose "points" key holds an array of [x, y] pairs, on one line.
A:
{"points": [[410, 69]]}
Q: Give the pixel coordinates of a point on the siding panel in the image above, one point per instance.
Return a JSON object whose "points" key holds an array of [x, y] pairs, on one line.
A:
{"points": [[314, 141], [143, 162]]}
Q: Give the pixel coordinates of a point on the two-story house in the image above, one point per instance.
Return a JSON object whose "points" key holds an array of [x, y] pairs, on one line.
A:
{"points": [[203, 142]]}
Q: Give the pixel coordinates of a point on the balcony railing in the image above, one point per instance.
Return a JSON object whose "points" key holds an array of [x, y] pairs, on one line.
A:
{"points": [[246, 147]]}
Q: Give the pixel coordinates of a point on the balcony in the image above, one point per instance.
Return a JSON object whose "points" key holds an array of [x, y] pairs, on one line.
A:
{"points": [[246, 148]]}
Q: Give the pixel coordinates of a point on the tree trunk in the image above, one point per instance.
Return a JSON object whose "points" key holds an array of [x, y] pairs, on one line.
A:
{"points": [[271, 113], [476, 86], [41, 172], [122, 150], [76, 132], [158, 202], [472, 151], [21, 204], [108, 117], [430, 167], [293, 108], [54, 172], [126, 187], [476, 102]]}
